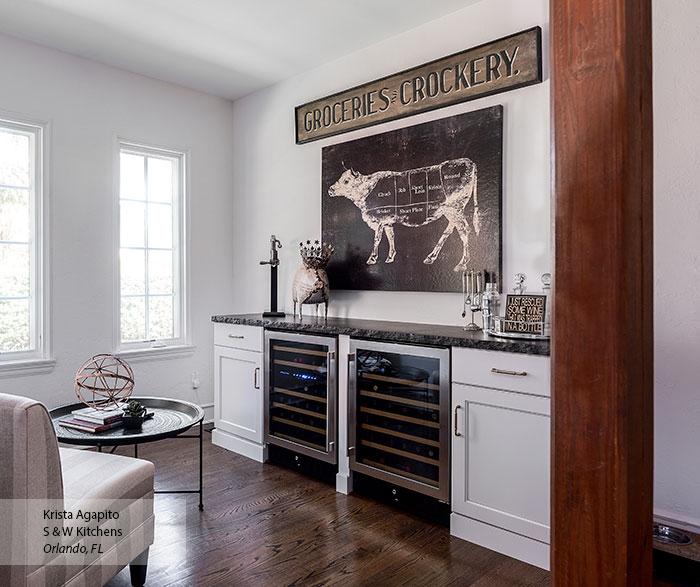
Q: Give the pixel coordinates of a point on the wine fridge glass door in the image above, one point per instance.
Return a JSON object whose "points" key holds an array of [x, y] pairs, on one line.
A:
{"points": [[399, 401], [301, 394]]}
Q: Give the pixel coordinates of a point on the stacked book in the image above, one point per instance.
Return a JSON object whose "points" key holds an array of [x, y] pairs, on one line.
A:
{"points": [[93, 420]]}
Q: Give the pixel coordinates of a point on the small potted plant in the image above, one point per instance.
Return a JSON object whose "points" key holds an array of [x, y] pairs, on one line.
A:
{"points": [[134, 414]]}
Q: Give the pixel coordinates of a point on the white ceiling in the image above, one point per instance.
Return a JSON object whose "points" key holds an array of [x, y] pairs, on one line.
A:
{"points": [[224, 47]]}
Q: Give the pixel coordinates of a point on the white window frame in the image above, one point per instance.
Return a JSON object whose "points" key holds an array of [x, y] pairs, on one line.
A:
{"points": [[162, 347], [37, 359]]}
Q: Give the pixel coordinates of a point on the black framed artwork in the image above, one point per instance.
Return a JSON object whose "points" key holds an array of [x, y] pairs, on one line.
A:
{"points": [[411, 209]]}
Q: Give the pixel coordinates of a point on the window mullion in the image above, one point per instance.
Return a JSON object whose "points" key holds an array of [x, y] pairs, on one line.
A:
{"points": [[34, 243], [148, 256], [177, 254]]}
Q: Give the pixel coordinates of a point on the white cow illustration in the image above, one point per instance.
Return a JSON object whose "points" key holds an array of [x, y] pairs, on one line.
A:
{"points": [[414, 198]]}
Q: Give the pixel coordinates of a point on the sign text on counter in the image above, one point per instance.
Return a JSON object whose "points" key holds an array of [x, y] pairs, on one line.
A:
{"points": [[506, 64], [525, 313]]}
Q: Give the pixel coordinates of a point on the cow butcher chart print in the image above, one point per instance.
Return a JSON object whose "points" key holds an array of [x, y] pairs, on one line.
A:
{"points": [[411, 209]]}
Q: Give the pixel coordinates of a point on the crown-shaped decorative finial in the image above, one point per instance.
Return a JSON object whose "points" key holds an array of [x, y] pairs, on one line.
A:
{"points": [[315, 255]]}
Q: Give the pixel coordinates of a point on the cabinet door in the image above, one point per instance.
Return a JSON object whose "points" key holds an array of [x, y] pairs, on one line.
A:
{"points": [[500, 459], [239, 395]]}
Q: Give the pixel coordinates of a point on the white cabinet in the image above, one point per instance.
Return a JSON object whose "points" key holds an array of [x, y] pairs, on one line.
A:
{"points": [[501, 460], [238, 394]]}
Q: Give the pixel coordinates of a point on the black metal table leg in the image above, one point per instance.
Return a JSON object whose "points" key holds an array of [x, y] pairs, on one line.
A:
{"points": [[136, 451], [201, 503]]}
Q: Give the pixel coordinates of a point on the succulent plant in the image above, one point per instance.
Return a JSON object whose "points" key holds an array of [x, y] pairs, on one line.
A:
{"points": [[134, 408]]}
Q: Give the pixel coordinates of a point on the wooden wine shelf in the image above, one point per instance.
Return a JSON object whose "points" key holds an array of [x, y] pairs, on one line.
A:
{"points": [[399, 417], [300, 365], [300, 441], [288, 349], [313, 398], [298, 425], [400, 381], [400, 473], [403, 435], [400, 400], [401, 453], [298, 410]]}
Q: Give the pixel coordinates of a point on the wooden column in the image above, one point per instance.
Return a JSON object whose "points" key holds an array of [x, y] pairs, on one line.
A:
{"points": [[603, 324]]}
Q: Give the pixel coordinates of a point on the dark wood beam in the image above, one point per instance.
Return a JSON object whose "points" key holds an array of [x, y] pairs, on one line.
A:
{"points": [[602, 333]]}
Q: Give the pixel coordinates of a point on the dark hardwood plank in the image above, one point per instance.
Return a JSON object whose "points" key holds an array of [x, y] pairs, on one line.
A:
{"points": [[602, 334], [269, 526]]}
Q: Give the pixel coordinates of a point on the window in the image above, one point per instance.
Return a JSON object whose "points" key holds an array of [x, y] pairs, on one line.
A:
{"points": [[22, 310], [151, 260]]}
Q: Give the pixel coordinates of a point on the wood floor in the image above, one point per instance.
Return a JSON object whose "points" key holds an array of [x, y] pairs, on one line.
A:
{"points": [[269, 526]]}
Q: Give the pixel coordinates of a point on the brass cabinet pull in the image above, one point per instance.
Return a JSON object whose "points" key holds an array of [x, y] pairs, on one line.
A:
{"points": [[504, 372], [236, 336], [255, 378], [457, 432]]}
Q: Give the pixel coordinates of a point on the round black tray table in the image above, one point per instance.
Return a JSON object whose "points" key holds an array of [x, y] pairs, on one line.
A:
{"points": [[171, 418]]}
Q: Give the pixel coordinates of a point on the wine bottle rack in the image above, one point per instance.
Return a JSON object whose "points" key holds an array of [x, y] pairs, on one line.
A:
{"points": [[399, 409]]}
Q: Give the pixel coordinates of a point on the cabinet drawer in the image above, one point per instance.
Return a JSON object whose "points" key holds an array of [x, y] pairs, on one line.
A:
{"points": [[239, 337], [510, 371]]}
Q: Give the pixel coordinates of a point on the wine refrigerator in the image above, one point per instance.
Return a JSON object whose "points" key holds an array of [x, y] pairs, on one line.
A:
{"points": [[300, 400], [399, 421]]}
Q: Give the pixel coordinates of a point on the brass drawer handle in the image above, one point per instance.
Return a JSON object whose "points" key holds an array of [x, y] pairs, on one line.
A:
{"points": [[457, 432], [236, 336], [504, 372]]}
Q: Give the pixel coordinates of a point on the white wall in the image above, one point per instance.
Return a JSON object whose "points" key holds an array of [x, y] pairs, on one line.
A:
{"points": [[277, 183], [87, 105], [677, 262]]}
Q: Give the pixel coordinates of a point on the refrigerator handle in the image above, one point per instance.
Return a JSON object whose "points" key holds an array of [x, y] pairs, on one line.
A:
{"points": [[352, 384], [331, 385]]}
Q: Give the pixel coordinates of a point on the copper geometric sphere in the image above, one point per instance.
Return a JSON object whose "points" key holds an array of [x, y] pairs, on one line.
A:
{"points": [[104, 380]]}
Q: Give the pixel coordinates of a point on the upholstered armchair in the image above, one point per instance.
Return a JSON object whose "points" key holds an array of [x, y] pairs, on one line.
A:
{"points": [[33, 467]]}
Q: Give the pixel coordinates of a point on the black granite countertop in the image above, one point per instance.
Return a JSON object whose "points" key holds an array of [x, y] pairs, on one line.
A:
{"points": [[406, 332]]}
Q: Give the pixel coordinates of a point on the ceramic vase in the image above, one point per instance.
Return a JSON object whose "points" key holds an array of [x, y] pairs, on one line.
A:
{"points": [[310, 285]]}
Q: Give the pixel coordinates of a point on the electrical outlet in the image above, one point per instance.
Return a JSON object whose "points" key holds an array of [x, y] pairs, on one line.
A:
{"points": [[195, 379]]}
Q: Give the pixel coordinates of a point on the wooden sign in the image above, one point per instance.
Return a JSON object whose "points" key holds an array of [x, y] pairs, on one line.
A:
{"points": [[525, 313], [505, 64]]}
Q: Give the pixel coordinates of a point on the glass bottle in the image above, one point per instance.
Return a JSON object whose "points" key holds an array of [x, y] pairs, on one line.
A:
{"points": [[490, 305], [547, 291]]}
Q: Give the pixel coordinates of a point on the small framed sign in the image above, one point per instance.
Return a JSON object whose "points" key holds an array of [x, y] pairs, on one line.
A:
{"points": [[525, 313]]}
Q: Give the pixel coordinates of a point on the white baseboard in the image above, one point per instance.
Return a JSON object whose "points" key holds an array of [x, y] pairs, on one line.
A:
{"points": [[516, 546], [249, 449], [676, 520]]}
